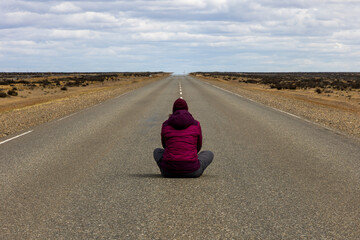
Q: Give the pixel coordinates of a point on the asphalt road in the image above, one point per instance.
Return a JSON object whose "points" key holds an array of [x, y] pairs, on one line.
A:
{"points": [[92, 176]]}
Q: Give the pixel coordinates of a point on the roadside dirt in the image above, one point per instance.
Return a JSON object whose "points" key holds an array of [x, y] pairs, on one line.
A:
{"points": [[338, 110], [39, 105]]}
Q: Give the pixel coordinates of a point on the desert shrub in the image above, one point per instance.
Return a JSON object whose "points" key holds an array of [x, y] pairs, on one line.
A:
{"points": [[3, 95], [355, 84], [292, 87], [12, 93], [45, 82], [328, 91], [339, 81], [24, 82], [318, 91], [7, 82], [63, 88], [250, 81]]}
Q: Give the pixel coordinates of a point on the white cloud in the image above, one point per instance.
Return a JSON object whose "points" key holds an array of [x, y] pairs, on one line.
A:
{"points": [[110, 51], [72, 34], [197, 30], [18, 18], [65, 7], [91, 17]]}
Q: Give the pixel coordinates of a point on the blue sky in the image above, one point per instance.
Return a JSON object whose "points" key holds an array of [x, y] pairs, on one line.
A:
{"points": [[180, 36]]}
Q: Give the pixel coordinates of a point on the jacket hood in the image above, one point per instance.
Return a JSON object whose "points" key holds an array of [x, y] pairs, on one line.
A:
{"points": [[181, 119], [180, 104]]}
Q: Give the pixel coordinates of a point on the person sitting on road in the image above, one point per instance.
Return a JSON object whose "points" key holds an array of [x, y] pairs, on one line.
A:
{"points": [[181, 138]]}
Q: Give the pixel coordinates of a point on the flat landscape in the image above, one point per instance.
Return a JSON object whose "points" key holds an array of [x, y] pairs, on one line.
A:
{"points": [[87, 93], [91, 174], [29, 99], [329, 99]]}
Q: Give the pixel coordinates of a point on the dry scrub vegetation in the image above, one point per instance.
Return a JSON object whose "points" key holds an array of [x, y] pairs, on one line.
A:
{"points": [[29, 99], [330, 99]]}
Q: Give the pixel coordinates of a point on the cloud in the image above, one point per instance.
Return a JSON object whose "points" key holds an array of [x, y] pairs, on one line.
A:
{"points": [[235, 35], [65, 7], [72, 34]]}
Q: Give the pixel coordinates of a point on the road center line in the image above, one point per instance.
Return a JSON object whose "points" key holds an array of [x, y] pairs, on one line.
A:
{"points": [[16, 137], [180, 89]]}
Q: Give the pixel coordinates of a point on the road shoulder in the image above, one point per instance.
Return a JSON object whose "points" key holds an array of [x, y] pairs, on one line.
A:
{"points": [[23, 117], [339, 115]]}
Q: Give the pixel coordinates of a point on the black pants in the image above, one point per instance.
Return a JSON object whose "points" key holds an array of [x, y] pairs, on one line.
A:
{"points": [[205, 158]]}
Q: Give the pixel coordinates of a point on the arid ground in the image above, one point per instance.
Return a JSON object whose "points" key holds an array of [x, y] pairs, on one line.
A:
{"points": [[329, 99], [332, 100], [30, 99], [91, 174]]}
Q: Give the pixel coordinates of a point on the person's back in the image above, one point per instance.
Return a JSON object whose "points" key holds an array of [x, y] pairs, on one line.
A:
{"points": [[181, 138]]}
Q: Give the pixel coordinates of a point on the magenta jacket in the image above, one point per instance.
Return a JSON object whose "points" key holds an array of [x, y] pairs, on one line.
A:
{"points": [[182, 139]]}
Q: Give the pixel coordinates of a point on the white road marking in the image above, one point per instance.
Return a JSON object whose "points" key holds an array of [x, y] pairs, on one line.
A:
{"points": [[16, 137], [180, 89], [290, 114], [293, 115], [122, 94], [58, 120], [66, 116], [89, 107]]}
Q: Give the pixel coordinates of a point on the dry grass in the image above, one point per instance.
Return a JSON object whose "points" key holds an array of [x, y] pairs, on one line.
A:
{"points": [[35, 93], [334, 109], [39, 105]]}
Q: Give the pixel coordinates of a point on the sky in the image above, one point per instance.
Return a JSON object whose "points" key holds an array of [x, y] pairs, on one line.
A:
{"points": [[180, 36]]}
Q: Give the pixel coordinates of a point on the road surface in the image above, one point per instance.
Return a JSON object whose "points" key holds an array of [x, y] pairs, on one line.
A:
{"points": [[91, 175]]}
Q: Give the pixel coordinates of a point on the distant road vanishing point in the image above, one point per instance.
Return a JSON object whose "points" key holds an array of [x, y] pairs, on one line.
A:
{"points": [[92, 175]]}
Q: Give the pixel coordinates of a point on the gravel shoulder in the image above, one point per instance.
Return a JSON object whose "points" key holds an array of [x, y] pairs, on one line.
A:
{"points": [[338, 113], [18, 114]]}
